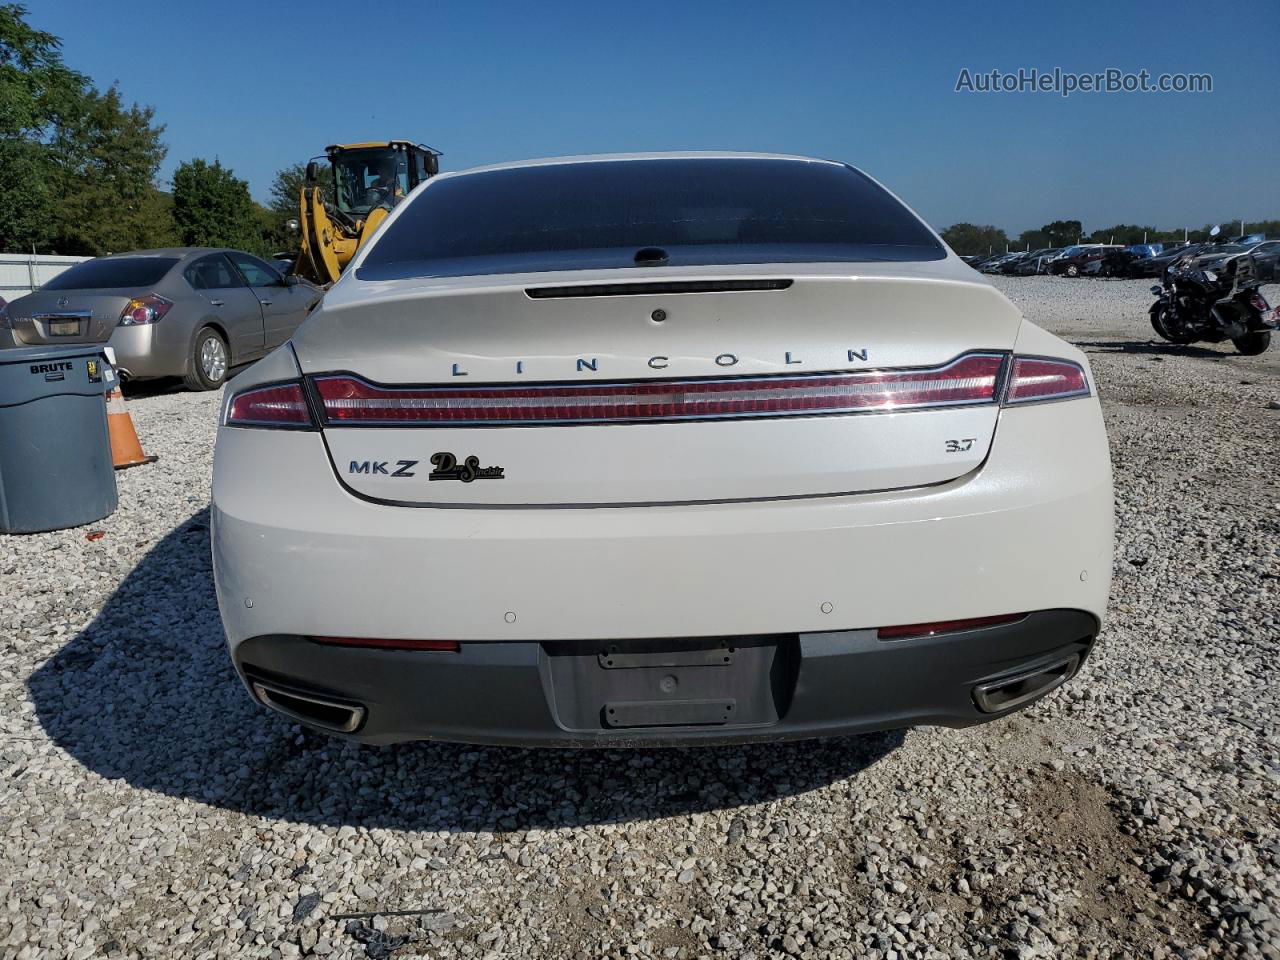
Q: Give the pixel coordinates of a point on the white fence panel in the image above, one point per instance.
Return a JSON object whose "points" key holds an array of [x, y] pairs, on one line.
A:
{"points": [[20, 273]]}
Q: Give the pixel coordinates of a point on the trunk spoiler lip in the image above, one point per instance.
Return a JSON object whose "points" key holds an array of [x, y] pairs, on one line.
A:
{"points": [[353, 293], [318, 409]]}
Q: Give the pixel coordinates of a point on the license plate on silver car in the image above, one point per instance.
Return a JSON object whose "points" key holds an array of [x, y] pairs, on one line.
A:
{"points": [[64, 328]]}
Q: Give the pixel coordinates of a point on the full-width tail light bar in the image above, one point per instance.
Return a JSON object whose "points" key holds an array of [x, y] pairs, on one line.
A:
{"points": [[973, 379]]}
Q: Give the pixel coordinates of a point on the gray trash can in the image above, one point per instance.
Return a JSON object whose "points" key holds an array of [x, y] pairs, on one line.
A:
{"points": [[55, 452]]}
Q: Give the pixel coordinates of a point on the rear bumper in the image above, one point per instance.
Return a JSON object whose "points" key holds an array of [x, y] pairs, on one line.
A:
{"points": [[138, 354], [560, 694], [141, 354], [295, 553], [136, 350]]}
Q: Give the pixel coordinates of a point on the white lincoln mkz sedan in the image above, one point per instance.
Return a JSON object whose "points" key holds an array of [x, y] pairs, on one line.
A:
{"points": [[673, 448]]}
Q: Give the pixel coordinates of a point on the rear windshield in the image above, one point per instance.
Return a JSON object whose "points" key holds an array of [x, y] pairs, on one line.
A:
{"points": [[115, 272], [575, 216]]}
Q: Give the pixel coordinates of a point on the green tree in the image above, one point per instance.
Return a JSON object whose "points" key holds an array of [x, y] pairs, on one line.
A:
{"points": [[1126, 233], [968, 239], [287, 187], [1063, 233], [36, 91], [108, 156], [26, 202], [274, 235], [1231, 228], [1033, 240], [283, 202], [36, 87], [77, 167], [212, 207]]}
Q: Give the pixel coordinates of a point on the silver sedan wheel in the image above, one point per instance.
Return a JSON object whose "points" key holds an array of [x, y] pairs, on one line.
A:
{"points": [[213, 359]]}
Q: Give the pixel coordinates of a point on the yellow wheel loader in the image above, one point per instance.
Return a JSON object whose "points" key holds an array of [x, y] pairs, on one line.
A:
{"points": [[368, 180]]}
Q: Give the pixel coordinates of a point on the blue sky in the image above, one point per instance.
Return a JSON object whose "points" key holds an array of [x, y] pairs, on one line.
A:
{"points": [[261, 85]]}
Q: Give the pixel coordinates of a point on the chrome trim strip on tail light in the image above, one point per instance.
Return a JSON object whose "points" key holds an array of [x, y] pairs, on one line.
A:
{"points": [[972, 379]]}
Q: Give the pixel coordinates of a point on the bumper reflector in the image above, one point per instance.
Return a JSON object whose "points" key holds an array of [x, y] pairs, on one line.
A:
{"points": [[970, 379], [381, 643], [945, 626]]}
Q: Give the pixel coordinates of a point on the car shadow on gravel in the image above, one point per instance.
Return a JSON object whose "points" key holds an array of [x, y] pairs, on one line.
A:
{"points": [[146, 694], [164, 386], [1149, 347]]}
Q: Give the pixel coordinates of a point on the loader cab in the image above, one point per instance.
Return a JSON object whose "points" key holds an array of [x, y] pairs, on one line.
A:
{"points": [[367, 176]]}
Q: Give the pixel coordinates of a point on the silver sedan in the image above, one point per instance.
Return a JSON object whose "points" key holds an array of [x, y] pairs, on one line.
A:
{"points": [[190, 312]]}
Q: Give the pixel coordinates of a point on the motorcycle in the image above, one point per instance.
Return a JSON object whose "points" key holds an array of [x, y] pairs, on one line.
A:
{"points": [[1221, 303]]}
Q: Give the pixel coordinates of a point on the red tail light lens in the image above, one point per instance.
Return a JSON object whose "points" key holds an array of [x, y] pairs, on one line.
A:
{"points": [[276, 405], [440, 646], [141, 311], [1038, 378], [971, 379], [945, 626]]}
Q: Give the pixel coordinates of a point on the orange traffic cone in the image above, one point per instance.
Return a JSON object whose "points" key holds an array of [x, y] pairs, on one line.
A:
{"points": [[126, 451]]}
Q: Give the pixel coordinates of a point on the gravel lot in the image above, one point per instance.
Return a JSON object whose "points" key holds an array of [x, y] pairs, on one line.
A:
{"points": [[150, 810]]}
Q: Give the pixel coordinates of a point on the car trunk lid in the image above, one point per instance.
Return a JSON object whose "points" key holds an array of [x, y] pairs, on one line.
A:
{"points": [[729, 387], [67, 316]]}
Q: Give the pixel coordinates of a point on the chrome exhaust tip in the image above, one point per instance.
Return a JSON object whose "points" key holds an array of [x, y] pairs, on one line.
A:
{"points": [[310, 709], [1010, 692]]}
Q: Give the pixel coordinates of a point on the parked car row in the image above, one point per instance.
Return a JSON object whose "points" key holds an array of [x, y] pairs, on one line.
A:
{"points": [[1021, 262], [1117, 260], [190, 312]]}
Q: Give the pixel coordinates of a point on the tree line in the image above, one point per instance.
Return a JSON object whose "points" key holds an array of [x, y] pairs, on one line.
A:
{"points": [[968, 239], [78, 167]]}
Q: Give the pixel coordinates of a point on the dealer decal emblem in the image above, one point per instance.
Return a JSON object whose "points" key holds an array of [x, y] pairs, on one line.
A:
{"points": [[446, 467]]}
